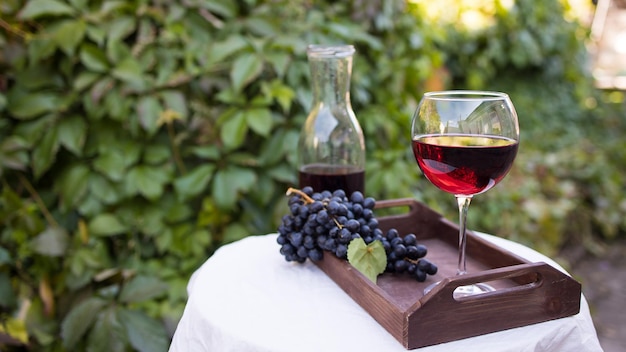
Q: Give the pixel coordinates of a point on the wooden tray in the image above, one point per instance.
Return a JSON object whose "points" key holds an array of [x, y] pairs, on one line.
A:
{"points": [[526, 293]]}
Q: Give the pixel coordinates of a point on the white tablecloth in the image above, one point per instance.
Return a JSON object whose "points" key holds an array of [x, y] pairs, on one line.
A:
{"points": [[247, 298]]}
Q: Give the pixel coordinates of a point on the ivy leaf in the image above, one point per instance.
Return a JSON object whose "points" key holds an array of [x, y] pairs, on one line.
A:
{"points": [[144, 333], [148, 112], [7, 296], [234, 130], [121, 27], [108, 333], [157, 154], [129, 71], [72, 184], [148, 181], [221, 50], [39, 8], [52, 242], [93, 58], [72, 133], [13, 153], [259, 120], [103, 189], [193, 183], [31, 105], [79, 320], [280, 62], [45, 152], [105, 225], [272, 149], [225, 8], [142, 288], [370, 260], [283, 94], [229, 182], [111, 164], [69, 34], [246, 68]]}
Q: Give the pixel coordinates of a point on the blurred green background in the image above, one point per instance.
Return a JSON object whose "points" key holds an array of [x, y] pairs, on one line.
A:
{"points": [[136, 137]]}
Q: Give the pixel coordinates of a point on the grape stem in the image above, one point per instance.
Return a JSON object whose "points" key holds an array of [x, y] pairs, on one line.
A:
{"points": [[412, 261], [336, 222], [307, 199]]}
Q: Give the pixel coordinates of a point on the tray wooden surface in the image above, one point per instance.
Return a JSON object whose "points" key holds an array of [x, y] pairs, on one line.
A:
{"points": [[526, 293]]}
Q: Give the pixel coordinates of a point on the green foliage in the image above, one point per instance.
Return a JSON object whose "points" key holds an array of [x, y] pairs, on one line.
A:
{"points": [[136, 137]]}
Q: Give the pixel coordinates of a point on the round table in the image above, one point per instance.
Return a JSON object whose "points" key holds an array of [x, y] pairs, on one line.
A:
{"points": [[247, 298]]}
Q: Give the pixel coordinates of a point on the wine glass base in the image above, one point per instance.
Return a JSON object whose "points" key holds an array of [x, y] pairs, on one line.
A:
{"points": [[471, 290], [465, 291]]}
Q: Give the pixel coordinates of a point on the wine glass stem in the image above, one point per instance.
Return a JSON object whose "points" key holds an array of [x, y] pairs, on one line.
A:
{"points": [[463, 202]]}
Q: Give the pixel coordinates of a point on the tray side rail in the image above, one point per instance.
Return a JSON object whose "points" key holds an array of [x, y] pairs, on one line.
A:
{"points": [[551, 295]]}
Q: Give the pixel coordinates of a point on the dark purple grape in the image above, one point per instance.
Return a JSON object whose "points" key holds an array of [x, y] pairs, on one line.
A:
{"points": [[392, 233], [410, 239], [309, 242], [315, 254], [340, 193], [287, 249], [302, 252], [399, 250], [369, 203], [345, 236], [352, 226], [322, 217], [357, 198], [412, 252], [420, 275], [333, 207], [341, 251], [295, 238], [401, 266]]}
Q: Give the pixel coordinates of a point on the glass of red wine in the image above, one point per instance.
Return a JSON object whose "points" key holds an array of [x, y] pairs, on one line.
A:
{"points": [[465, 142]]}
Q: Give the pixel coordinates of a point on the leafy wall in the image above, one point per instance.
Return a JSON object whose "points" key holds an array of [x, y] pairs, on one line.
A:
{"points": [[136, 137]]}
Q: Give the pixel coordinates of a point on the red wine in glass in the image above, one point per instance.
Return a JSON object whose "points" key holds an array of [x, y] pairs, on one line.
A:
{"points": [[464, 164]]}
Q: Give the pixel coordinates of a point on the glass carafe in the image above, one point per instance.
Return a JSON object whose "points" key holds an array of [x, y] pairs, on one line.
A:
{"points": [[331, 145]]}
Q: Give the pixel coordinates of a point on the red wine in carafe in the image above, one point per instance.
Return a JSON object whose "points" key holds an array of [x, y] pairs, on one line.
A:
{"points": [[332, 177]]}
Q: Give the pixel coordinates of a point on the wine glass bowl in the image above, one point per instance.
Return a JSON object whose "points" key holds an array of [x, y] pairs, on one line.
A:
{"points": [[465, 143]]}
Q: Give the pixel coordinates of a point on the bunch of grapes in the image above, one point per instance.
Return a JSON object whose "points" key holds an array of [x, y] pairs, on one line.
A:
{"points": [[327, 221]]}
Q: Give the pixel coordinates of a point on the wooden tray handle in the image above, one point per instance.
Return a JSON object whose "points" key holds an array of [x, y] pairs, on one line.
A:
{"points": [[535, 272], [552, 295], [544, 285]]}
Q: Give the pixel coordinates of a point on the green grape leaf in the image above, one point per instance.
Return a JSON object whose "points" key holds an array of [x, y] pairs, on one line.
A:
{"points": [[370, 259]]}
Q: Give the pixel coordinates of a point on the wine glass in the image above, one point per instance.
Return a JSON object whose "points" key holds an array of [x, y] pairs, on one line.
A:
{"points": [[465, 143]]}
